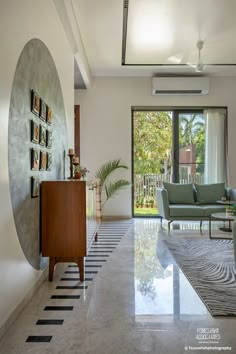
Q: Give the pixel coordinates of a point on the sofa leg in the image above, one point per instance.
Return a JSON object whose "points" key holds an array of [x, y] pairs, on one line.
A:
{"points": [[169, 225]]}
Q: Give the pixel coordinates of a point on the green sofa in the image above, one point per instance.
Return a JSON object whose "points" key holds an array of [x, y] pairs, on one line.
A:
{"points": [[191, 201]]}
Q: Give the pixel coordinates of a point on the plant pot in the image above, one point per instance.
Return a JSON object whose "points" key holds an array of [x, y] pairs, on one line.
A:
{"points": [[77, 175], [229, 212]]}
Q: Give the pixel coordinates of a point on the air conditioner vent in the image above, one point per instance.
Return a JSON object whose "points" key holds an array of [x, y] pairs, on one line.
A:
{"points": [[176, 92], [180, 86]]}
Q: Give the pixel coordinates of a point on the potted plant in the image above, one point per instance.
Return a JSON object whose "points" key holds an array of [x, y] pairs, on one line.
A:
{"points": [[147, 203], [77, 171], [229, 210], [141, 202], [151, 203], [234, 209], [110, 188]]}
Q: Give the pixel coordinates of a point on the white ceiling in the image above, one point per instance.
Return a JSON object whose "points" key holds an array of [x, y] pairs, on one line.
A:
{"points": [[158, 32]]}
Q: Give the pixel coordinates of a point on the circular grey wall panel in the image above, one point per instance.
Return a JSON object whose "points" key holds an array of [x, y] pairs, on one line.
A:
{"points": [[35, 70]]}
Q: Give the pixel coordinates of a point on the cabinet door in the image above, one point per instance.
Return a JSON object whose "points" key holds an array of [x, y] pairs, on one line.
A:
{"points": [[63, 217]]}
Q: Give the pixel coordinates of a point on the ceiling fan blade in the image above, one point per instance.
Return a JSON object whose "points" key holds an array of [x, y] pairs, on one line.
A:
{"points": [[191, 64], [176, 58]]}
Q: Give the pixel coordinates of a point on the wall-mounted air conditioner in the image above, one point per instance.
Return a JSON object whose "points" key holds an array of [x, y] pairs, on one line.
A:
{"points": [[180, 85]]}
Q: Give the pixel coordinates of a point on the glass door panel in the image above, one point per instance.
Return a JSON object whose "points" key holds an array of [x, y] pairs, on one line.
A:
{"points": [[152, 158], [191, 149]]}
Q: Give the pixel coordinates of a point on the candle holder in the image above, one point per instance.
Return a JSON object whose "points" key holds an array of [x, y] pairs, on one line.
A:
{"points": [[71, 155]]}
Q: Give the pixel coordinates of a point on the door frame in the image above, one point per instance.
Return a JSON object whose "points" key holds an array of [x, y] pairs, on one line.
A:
{"points": [[177, 110]]}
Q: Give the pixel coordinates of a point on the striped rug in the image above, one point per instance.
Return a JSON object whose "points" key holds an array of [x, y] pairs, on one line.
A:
{"points": [[209, 266]]}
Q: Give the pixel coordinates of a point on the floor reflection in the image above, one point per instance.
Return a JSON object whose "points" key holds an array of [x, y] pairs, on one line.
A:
{"points": [[160, 286]]}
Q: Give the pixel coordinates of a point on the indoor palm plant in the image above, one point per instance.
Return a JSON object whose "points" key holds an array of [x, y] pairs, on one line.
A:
{"points": [[110, 188]]}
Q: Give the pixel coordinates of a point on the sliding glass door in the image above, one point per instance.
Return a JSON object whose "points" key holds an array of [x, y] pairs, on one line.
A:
{"points": [[152, 158], [182, 146], [189, 159]]}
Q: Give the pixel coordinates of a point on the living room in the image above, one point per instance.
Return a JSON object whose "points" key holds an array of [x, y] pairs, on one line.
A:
{"points": [[106, 101]]}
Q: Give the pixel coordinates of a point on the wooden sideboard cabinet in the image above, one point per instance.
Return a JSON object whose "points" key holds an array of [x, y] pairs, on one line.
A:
{"points": [[68, 222]]}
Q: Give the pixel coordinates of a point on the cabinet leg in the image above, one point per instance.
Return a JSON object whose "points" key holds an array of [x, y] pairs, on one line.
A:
{"points": [[96, 237], [81, 268], [52, 262]]}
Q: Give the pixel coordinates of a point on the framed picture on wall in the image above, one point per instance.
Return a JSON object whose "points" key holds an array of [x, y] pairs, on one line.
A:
{"points": [[35, 103], [43, 160], [34, 187], [42, 135], [49, 161], [49, 115], [48, 139], [35, 159], [43, 110], [34, 132]]}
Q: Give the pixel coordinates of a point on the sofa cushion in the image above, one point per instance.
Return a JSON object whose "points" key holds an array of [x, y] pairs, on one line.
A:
{"points": [[179, 193], [186, 211], [211, 209], [209, 193]]}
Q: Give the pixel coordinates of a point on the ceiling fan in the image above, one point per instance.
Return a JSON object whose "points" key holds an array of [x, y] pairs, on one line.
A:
{"points": [[198, 66]]}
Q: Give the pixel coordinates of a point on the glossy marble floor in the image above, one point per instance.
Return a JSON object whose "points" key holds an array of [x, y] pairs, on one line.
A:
{"points": [[137, 301]]}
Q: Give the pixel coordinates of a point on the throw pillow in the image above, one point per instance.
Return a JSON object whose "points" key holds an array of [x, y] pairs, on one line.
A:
{"points": [[209, 193], [179, 193]]}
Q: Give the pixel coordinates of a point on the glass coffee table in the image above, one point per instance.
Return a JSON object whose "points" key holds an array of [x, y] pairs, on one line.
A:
{"points": [[223, 217]]}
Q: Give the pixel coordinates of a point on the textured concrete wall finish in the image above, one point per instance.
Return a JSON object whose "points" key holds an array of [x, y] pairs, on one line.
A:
{"points": [[35, 70]]}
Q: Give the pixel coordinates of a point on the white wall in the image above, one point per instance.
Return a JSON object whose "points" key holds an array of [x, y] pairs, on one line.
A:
{"points": [[21, 21], [106, 122]]}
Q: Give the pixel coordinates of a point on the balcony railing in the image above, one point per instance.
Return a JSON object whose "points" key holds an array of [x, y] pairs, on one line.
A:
{"points": [[145, 186]]}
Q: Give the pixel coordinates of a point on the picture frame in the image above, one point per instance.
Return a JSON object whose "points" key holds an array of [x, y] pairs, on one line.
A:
{"points": [[43, 110], [49, 161], [48, 139], [35, 103], [34, 159], [43, 160], [34, 187], [42, 135], [49, 115], [34, 132]]}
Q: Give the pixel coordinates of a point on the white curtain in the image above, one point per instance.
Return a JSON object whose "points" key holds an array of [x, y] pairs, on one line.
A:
{"points": [[215, 147]]}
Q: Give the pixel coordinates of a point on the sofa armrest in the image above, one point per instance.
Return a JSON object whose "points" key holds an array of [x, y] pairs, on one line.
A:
{"points": [[163, 203], [232, 193]]}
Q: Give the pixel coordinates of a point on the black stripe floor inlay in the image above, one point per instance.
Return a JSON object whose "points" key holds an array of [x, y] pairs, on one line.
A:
{"points": [[87, 266], [96, 260], [102, 247], [109, 237], [75, 279], [58, 308], [106, 239], [97, 255], [39, 339], [49, 322], [72, 287], [108, 243], [100, 251], [65, 297], [110, 234], [77, 272]]}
